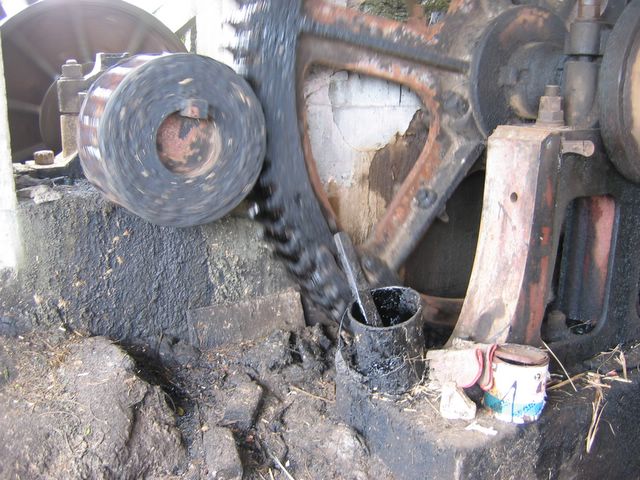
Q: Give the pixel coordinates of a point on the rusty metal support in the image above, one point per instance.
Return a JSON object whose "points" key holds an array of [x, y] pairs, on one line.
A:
{"points": [[513, 267], [558, 240]]}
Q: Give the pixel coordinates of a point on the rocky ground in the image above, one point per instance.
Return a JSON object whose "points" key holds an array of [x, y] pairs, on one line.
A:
{"points": [[84, 407]]}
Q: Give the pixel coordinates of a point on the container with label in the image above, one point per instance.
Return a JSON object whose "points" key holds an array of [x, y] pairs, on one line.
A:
{"points": [[517, 392]]}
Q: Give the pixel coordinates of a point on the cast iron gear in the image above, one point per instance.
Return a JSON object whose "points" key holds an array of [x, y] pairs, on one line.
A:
{"points": [[278, 42]]}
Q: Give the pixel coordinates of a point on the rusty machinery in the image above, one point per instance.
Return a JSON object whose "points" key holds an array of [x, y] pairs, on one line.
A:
{"points": [[545, 88], [39, 39], [176, 138], [557, 247]]}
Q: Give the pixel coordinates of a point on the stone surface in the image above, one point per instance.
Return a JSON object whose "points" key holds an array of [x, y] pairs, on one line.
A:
{"points": [[245, 320], [221, 454], [77, 409], [242, 405]]}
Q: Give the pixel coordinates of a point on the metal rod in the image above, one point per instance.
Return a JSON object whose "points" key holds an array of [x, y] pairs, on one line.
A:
{"points": [[359, 286]]}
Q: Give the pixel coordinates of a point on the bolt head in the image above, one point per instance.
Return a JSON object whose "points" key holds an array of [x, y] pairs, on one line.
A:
{"points": [[550, 111], [43, 157], [425, 197], [72, 69]]}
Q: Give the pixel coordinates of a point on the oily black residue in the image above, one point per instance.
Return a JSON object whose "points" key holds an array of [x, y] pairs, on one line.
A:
{"points": [[395, 306]]}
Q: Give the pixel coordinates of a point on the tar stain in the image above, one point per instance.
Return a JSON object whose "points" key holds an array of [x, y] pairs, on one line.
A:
{"points": [[394, 305]]}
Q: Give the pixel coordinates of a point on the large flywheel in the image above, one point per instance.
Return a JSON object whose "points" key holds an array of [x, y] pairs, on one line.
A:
{"points": [[39, 39]]}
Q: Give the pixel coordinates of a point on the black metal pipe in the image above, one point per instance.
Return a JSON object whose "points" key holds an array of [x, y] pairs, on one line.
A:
{"points": [[390, 357]]}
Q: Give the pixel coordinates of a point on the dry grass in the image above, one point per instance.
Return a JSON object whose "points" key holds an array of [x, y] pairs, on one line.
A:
{"points": [[598, 381], [597, 407], [561, 365]]}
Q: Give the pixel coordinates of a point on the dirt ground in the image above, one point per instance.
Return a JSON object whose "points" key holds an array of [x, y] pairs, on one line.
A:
{"points": [[84, 407]]}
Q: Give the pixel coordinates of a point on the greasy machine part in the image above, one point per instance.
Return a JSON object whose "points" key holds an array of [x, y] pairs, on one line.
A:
{"points": [[436, 62], [42, 37], [390, 355], [177, 139]]}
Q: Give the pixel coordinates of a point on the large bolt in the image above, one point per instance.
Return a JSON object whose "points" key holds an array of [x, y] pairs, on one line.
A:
{"points": [[197, 108], [425, 197], [550, 111], [72, 69], [43, 157]]}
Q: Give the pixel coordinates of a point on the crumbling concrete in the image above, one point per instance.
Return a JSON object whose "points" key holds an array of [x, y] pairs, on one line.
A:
{"points": [[96, 268]]}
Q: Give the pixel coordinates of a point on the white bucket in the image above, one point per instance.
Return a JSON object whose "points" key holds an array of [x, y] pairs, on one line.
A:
{"points": [[517, 393]]}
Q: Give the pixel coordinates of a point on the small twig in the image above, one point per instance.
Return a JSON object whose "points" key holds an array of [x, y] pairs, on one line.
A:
{"points": [[565, 382], [560, 363], [318, 397], [597, 408], [623, 362], [280, 466], [617, 379]]}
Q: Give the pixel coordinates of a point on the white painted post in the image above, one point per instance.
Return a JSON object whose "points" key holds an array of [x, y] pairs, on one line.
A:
{"points": [[10, 245]]}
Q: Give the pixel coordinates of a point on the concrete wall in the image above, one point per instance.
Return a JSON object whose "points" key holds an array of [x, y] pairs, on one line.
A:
{"points": [[10, 246], [92, 266]]}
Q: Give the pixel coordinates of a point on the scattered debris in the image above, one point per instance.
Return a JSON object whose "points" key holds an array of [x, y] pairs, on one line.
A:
{"points": [[281, 467], [462, 365], [476, 427], [242, 405], [39, 194], [559, 363], [454, 403], [597, 409]]}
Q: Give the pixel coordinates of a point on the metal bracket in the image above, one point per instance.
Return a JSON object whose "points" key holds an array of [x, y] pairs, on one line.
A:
{"points": [[557, 234]]}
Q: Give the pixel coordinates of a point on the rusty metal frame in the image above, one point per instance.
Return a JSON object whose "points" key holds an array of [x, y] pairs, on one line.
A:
{"points": [[411, 55], [438, 63], [529, 216]]}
